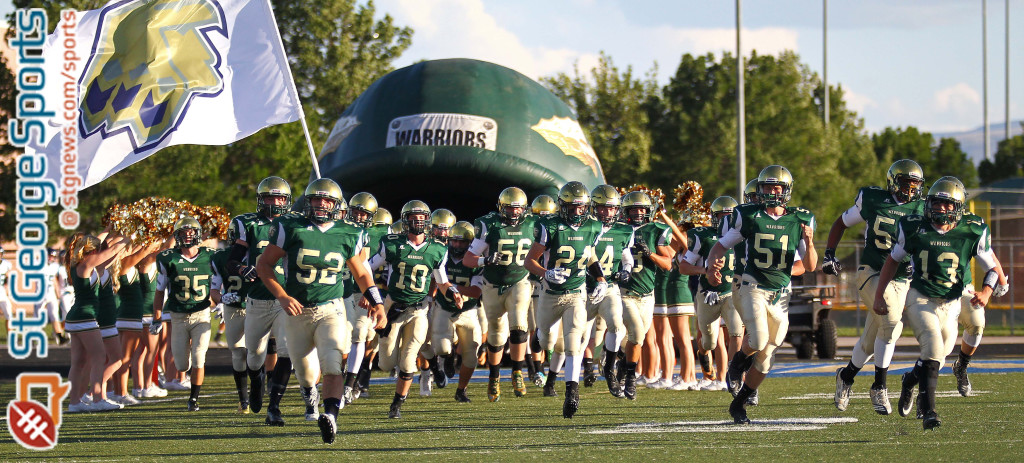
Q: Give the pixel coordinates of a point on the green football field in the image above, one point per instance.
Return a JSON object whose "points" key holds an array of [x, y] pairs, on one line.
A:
{"points": [[796, 419]]}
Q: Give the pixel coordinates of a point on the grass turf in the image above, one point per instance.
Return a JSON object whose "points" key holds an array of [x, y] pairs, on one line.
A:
{"points": [[984, 427]]}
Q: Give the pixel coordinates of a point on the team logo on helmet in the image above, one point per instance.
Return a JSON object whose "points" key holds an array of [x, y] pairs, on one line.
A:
{"points": [[150, 59]]}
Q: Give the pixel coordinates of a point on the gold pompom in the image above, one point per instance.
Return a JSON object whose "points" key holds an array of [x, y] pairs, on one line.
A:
{"points": [[689, 203], [152, 219]]}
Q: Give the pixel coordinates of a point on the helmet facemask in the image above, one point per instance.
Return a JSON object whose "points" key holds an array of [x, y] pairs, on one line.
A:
{"points": [[328, 209], [637, 215], [511, 215], [416, 222], [457, 247], [774, 199], [943, 216], [574, 213], [360, 216], [606, 214], [440, 232], [187, 237], [268, 205], [907, 188]]}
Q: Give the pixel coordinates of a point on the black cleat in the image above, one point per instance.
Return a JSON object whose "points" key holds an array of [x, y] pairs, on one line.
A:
{"points": [[396, 410], [590, 376], [963, 383], [931, 420], [572, 399], [274, 417], [549, 386], [738, 412], [613, 387], [629, 387], [752, 400], [460, 396], [193, 405], [733, 380], [906, 401], [256, 392], [449, 366], [328, 427]]}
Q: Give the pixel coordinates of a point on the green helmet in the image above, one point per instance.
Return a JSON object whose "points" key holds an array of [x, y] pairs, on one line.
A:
{"points": [[441, 223], [382, 217], [637, 200], [721, 206], [750, 192], [544, 205], [364, 203], [605, 196], [327, 189], [270, 187], [946, 190], [461, 235], [186, 232], [417, 207], [510, 198], [572, 195], [905, 180], [775, 175]]}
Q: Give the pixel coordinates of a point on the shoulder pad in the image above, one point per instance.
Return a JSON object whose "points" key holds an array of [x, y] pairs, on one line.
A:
{"points": [[975, 223], [167, 252], [973, 216], [913, 218], [803, 214], [392, 236]]}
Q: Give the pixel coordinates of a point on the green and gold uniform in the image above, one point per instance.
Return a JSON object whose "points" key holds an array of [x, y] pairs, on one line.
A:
{"points": [[638, 292], [187, 284], [451, 324], [234, 314], [703, 239], [610, 251], [506, 289]]}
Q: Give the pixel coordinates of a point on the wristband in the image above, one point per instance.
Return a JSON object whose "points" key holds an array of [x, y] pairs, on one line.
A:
{"points": [[480, 261], [991, 279], [372, 294]]}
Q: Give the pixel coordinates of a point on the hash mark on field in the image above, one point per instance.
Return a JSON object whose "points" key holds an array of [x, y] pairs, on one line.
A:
{"points": [[783, 424], [864, 395]]}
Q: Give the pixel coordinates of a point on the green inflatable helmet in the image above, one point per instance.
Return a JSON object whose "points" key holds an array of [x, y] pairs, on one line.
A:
{"points": [[457, 132]]}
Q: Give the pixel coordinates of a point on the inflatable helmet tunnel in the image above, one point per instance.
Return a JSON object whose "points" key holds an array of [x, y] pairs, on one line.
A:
{"points": [[454, 133]]}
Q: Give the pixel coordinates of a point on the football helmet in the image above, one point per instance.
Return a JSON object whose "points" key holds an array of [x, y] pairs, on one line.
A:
{"points": [[721, 207], [398, 227], [543, 205], [605, 202], [186, 232], [905, 180], [775, 175], [441, 223], [509, 200], [268, 188], [417, 225], [233, 233], [382, 217], [461, 235], [364, 205], [570, 197], [946, 190], [750, 192], [637, 208], [327, 189]]}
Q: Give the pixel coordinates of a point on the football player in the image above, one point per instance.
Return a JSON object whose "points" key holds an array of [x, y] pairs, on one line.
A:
{"points": [[503, 238], [56, 279], [940, 245], [453, 325], [542, 205], [234, 290], [412, 259], [441, 223], [188, 279], [777, 236], [363, 212], [568, 240], [315, 246], [714, 303], [612, 252], [880, 209], [5, 271]]}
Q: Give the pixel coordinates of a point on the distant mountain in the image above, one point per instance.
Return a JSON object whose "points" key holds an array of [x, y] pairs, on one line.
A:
{"points": [[973, 141]]}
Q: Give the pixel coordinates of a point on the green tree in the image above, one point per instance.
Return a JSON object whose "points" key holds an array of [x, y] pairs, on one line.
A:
{"points": [[336, 49], [1007, 163], [937, 159]]}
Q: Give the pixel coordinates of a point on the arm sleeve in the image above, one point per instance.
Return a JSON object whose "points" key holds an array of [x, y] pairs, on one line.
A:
{"points": [[853, 216], [627, 260], [899, 250], [986, 257], [666, 237], [161, 278], [542, 234], [441, 273], [692, 255], [241, 230], [732, 235], [216, 280]]}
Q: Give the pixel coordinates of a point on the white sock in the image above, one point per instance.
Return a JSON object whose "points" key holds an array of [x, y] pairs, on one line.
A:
{"points": [[613, 340], [884, 352], [573, 367], [555, 366], [355, 357]]}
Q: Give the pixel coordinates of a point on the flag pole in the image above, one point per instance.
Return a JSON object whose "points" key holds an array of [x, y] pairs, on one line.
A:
{"points": [[295, 93]]}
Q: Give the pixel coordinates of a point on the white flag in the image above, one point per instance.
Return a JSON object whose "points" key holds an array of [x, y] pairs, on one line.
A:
{"points": [[155, 73]]}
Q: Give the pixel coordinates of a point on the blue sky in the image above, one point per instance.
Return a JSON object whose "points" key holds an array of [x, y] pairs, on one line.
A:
{"points": [[901, 62]]}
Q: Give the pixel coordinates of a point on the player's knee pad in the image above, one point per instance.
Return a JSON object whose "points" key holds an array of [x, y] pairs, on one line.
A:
{"points": [[493, 348], [405, 375], [517, 336], [972, 339]]}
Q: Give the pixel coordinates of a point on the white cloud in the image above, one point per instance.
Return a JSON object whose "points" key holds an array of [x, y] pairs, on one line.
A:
{"points": [[857, 101], [958, 98]]}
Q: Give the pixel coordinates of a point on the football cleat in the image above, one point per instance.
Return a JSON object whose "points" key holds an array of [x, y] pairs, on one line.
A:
{"points": [[629, 387], [613, 387], [460, 396], [395, 412], [243, 408], [880, 400], [906, 401], [493, 390], [328, 427], [738, 412], [274, 417], [349, 396], [752, 400], [590, 375], [518, 384], [549, 386], [539, 378], [425, 386], [256, 392], [931, 420], [734, 377], [449, 367], [963, 383], [312, 401], [572, 399], [843, 388], [193, 405]]}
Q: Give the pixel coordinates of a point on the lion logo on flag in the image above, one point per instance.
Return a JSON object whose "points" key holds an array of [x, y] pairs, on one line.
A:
{"points": [[149, 60]]}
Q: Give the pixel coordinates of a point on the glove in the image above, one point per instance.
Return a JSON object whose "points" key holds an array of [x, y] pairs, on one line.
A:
{"points": [[1001, 290], [493, 259], [711, 297], [623, 276], [557, 275], [642, 248], [831, 265], [248, 273], [599, 292], [217, 311], [156, 327], [230, 299]]}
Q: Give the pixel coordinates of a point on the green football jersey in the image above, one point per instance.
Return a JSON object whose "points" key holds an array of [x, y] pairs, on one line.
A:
{"points": [[513, 242], [229, 283], [254, 229], [410, 267], [654, 234], [314, 257], [186, 281], [461, 275], [772, 243], [703, 239], [608, 250], [940, 260], [569, 248], [880, 211]]}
